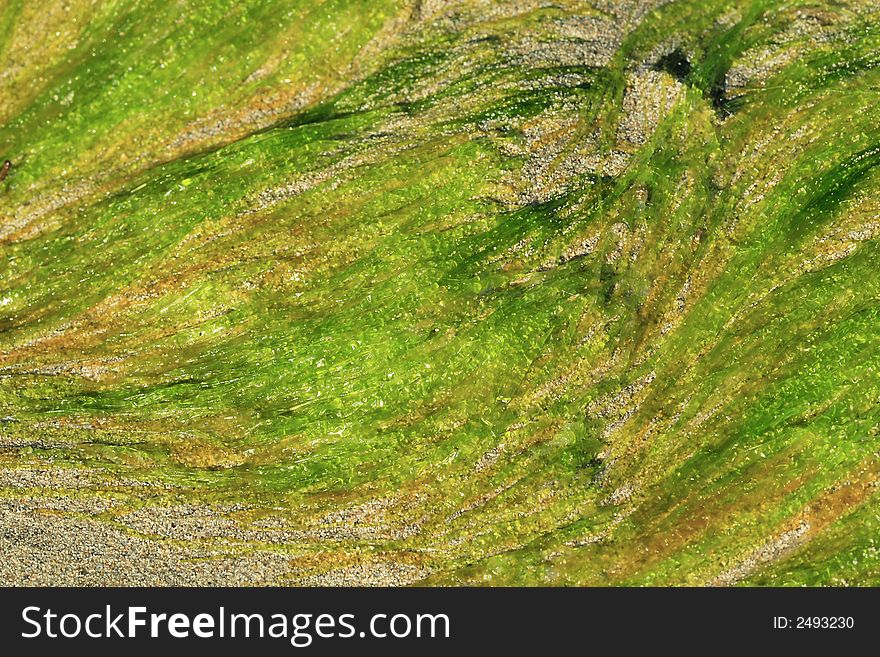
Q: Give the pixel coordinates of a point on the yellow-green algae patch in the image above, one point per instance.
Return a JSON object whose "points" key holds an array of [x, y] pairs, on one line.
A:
{"points": [[459, 292]]}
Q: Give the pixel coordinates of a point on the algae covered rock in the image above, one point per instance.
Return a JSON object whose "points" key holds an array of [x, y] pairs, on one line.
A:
{"points": [[581, 292]]}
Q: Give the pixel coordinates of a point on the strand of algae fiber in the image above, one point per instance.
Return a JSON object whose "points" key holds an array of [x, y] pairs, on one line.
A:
{"points": [[585, 293]]}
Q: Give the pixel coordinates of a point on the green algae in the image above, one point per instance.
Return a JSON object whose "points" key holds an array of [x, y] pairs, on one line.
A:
{"points": [[301, 255]]}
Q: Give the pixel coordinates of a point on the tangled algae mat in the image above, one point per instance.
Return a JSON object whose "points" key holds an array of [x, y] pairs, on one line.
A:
{"points": [[466, 292]]}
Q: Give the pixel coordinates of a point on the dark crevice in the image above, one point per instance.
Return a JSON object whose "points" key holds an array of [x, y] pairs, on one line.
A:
{"points": [[723, 104], [676, 63]]}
